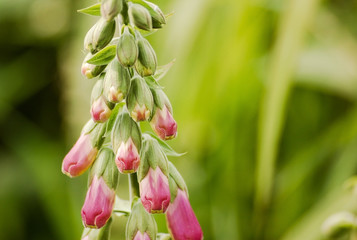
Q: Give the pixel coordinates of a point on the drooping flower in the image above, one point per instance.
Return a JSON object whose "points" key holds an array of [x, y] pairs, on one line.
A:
{"points": [[127, 158], [155, 191], [99, 203], [181, 219], [164, 124], [100, 111], [80, 157]]}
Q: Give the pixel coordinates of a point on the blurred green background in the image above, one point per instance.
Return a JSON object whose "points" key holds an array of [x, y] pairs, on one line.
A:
{"points": [[264, 93]]}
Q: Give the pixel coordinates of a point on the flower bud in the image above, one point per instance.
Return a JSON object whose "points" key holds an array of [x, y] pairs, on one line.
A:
{"points": [[163, 124], [153, 177], [127, 50], [146, 63], [127, 158], [116, 82], [99, 35], [139, 101], [157, 16], [181, 219], [140, 225], [110, 8], [80, 157], [99, 202], [140, 16], [126, 142], [100, 110], [155, 191], [90, 70]]}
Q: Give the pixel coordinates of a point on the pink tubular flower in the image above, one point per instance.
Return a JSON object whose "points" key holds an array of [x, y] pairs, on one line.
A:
{"points": [[127, 158], [100, 111], [141, 236], [85, 238], [155, 191], [164, 124], [181, 219], [115, 95], [140, 113], [80, 157], [99, 204]]}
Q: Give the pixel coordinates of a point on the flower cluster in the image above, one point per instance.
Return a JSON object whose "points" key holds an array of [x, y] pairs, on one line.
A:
{"points": [[111, 144]]}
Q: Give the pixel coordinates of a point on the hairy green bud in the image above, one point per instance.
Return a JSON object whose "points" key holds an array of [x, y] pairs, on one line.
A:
{"points": [[140, 16], [147, 61], [99, 35], [127, 50], [110, 8], [139, 101], [116, 82]]}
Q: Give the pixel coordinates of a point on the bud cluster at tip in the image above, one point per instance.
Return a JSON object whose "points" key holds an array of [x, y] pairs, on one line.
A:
{"points": [[126, 93]]}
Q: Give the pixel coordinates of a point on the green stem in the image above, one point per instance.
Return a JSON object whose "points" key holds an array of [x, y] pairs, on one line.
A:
{"points": [[134, 187], [290, 38]]}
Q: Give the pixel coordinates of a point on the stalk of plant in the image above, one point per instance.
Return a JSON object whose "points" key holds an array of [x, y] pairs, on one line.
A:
{"points": [[112, 144]]}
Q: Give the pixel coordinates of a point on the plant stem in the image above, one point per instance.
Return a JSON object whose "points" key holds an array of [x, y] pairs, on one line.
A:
{"points": [[133, 186], [290, 38]]}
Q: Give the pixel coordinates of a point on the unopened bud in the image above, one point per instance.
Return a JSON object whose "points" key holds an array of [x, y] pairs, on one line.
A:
{"points": [[146, 63], [99, 35], [90, 70], [181, 219], [116, 82], [153, 177], [127, 50], [126, 142], [99, 202], [140, 16], [157, 16], [163, 122], [110, 8], [141, 224], [80, 157], [139, 100], [100, 110]]}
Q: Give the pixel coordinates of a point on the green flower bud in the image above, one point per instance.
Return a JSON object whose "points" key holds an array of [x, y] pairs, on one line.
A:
{"points": [[140, 16], [147, 62], [99, 35], [124, 128], [152, 156], [139, 100], [90, 70], [157, 16], [140, 222], [110, 8], [116, 82], [127, 50], [104, 166], [101, 109]]}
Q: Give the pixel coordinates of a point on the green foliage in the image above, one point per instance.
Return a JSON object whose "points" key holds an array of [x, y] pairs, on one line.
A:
{"points": [[268, 80]]}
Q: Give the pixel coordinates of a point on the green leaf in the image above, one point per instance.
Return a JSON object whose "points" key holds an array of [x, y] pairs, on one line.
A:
{"points": [[162, 70], [152, 83], [113, 116], [104, 56], [165, 147], [93, 10]]}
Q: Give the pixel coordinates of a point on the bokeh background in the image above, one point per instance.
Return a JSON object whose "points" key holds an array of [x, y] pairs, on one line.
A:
{"points": [[264, 93]]}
